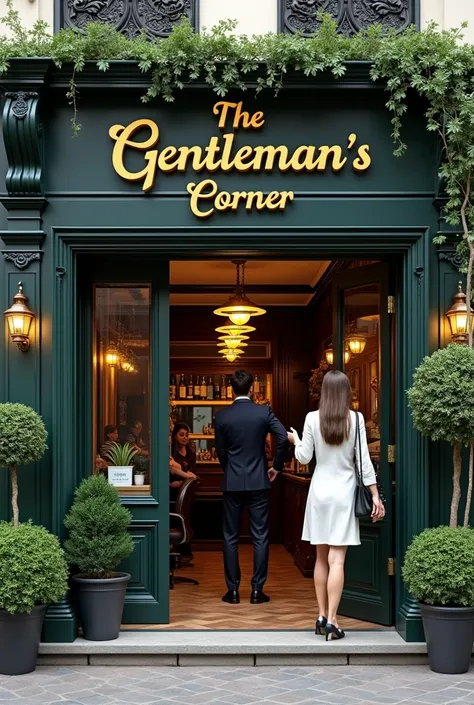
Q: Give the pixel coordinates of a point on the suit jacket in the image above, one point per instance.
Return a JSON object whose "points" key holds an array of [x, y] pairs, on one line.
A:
{"points": [[241, 430]]}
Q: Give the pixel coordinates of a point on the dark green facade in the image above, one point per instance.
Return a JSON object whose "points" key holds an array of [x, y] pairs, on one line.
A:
{"points": [[65, 211]]}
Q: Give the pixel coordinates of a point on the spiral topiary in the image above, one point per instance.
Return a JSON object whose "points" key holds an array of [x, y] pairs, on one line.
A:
{"points": [[23, 439], [439, 566], [97, 522], [33, 568]]}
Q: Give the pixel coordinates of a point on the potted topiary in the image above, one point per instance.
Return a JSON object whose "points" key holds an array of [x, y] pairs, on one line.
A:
{"points": [[439, 571], [33, 571], [98, 541], [33, 574], [121, 467], [442, 403]]}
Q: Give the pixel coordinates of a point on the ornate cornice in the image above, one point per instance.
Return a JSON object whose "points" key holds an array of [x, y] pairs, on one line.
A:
{"points": [[452, 257], [351, 16], [22, 138], [21, 260]]}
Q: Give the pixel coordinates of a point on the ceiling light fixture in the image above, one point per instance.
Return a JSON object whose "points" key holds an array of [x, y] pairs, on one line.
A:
{"points": [[239, 308]]}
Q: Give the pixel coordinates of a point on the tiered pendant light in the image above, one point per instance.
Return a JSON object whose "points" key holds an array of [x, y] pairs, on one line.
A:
{"points": [[239, 308]]}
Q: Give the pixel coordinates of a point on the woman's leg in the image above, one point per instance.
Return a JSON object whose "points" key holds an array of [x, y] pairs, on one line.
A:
{"points": [[336, 558], [321, 571]]}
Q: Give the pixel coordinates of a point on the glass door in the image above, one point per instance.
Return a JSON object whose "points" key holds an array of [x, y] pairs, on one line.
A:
{"points": [[363, 348]]}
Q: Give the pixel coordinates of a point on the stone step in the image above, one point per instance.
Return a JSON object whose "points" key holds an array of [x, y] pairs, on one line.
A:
{"points": [[236, 648]]}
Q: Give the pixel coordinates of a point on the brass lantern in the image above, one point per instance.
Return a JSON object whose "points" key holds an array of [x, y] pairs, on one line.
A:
{"points": [[457, 317], [329, 355], [356, 343], [112, 355], [19, 318]]}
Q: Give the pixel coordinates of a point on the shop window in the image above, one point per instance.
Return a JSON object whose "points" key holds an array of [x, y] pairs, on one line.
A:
{"points": [[122, 385], [362, 356]]}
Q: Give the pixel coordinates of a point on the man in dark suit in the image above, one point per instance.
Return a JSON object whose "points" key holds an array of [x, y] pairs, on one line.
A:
{"points": [[241, 430]]}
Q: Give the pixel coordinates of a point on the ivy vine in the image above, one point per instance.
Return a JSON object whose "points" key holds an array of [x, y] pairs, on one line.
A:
{"points": [[436, 65]]}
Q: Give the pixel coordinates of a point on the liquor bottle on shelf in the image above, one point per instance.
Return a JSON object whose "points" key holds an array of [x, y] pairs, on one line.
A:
{"points": [[256, 385], [173, 388], [182, 388], [223, 389], [203, 390], [217, 390], [210, 389], [197, 388], [229, 390], [190, 392]]}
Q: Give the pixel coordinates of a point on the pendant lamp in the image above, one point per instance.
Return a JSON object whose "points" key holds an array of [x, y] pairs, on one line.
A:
{"points": [[239, 308], [231, 329], [233, 341]]}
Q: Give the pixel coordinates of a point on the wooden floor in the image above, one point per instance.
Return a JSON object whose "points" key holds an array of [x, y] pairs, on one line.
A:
{"points": [[292, 606]]}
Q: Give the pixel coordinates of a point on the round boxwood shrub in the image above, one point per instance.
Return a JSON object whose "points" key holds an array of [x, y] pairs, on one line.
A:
{"points": [[23, 439], [97, 522], [442, 404], [33, 569], [439, 567]]}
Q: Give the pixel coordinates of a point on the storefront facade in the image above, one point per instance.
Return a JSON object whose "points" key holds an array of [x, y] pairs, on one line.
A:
{"points": [[309, 174]]}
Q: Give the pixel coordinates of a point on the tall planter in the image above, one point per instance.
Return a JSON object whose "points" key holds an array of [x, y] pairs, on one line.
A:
{"points": [[100, 605], [449, 633], [20, 636]]}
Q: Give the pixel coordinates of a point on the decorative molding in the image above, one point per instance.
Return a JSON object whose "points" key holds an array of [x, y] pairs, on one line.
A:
{"points": [[21, 260], [22, 137], [452, 257], [156, 17], [351, 16]]}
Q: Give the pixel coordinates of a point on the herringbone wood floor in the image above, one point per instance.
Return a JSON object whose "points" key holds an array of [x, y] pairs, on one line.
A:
{"points": [[292, 606]]}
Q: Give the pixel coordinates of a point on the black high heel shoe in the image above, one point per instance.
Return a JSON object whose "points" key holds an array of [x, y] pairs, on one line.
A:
{"points": [[333, 632], [320, 624]]}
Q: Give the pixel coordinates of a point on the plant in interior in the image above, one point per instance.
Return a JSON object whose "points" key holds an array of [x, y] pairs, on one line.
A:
{"points": [[33, 568], [97, 522], [442, 404], [121, 455], [23, 439]]}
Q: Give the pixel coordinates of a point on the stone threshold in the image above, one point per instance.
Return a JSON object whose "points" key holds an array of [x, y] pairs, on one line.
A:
{"points": [[236, 648]]}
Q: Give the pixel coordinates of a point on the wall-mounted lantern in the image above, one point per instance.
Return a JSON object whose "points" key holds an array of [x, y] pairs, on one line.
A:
{"points": [[458, 318], [19, 319]]}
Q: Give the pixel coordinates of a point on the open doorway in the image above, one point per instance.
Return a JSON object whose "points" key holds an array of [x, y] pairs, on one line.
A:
{"points": [[318, 314]]}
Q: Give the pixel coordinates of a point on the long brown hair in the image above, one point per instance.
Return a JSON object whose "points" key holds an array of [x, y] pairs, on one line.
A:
{"points": [[334, 408]]}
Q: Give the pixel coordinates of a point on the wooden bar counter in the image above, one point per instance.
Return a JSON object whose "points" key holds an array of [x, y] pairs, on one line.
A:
{"points": [[295, 493]]}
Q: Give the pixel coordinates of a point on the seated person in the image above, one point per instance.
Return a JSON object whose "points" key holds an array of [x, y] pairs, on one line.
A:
{"points": [[135, 438], [111, 436]]}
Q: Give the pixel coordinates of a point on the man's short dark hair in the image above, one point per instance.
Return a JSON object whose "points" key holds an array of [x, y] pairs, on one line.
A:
{"points": [[241, 382]]}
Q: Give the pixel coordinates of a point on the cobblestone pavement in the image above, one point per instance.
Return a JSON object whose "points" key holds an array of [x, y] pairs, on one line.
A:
{"points": [[346, 685]]}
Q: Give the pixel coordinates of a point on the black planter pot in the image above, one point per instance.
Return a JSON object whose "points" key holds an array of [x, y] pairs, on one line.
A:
{"points": [[20, 636], [100, 605], [449, 633]]}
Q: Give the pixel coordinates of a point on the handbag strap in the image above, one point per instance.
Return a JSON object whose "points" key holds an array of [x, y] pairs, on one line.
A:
{"points": [[357, 447]]}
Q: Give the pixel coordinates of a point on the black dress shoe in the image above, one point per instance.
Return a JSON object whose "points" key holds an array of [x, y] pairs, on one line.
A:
{"points": [[232, 597], [258, 596]]}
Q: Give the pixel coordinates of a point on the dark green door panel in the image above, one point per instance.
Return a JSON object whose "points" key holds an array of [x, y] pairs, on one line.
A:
{"points": [[368, 590]]}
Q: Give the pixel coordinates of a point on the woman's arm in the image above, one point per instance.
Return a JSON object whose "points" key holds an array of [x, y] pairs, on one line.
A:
{"points": [[304, 449], [176, 469]]}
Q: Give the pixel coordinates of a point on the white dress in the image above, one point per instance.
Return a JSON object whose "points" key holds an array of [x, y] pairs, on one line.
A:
{"points": [[329, 517]]}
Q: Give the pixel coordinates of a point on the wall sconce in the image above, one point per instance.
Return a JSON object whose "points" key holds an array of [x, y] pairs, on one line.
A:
{"points": [[112, 356], [457, 317], [329, 355], [19, 318], [356, 343]]}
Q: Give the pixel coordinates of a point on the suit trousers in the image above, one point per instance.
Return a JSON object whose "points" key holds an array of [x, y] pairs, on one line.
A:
{"points": [[257, 502]]}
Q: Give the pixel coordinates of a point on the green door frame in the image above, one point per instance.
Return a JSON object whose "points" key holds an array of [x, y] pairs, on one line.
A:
{"points": [[198, 242]]}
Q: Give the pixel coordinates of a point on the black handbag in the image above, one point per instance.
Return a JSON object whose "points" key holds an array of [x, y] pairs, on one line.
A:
{"points": [[363, 496]]}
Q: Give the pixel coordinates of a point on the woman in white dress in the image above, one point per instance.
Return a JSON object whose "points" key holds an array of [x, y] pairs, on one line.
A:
{"points": [[330, 522]]}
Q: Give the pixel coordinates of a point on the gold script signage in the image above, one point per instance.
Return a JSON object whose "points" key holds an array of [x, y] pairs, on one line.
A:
{"points": [[219, 155]]}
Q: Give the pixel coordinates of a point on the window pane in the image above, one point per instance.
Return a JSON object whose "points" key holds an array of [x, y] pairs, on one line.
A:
{"points": [[122, 383], [362, 356]]}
